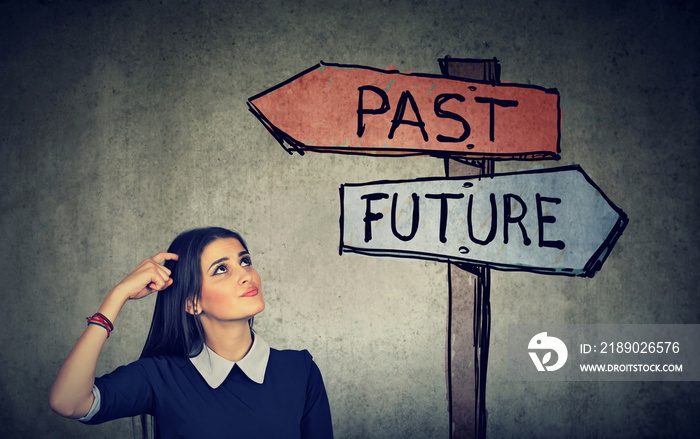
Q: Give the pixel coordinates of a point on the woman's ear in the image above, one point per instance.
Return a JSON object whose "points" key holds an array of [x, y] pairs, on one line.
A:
{"points": [[191, 306]]}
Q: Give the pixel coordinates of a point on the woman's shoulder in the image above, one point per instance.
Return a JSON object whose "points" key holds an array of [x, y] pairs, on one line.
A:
{"points": [[161, 360], [149, 372], [154, 365], [291, 354], [295, 361]]}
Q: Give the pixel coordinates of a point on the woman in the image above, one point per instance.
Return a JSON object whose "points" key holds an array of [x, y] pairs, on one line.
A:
{"points": [[202, 371]]}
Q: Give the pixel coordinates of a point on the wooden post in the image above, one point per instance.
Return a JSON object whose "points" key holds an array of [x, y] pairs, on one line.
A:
{"points": [[469, 313]]}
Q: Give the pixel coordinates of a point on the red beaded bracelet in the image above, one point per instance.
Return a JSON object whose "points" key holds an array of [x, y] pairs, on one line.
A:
{"points": [[100, 320]]}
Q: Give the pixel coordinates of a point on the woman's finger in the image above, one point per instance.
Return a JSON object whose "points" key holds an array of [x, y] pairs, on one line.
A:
{"points": [[164, 256], [158, 286], [159, 278]]}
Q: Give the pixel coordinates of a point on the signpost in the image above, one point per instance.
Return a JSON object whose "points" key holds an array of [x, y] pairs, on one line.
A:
{"points": [[469, 292], [359, 110], [550, 221]]}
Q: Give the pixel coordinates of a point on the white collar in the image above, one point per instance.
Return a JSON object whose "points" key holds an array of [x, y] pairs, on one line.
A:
{"points": [[214, 369]]}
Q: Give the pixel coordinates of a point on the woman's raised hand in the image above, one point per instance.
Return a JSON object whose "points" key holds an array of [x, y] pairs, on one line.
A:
{"points": [[148, 277], [71, 395]]}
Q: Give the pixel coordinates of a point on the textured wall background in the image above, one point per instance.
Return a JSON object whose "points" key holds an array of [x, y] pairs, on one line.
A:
{"points": [[123, 123]]}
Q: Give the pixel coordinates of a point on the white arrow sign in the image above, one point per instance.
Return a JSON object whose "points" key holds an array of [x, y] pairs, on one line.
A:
{"points": [[554, 221]]}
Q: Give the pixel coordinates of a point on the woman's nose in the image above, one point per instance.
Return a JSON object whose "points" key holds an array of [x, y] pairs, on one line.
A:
{"points": [[243, 277]]}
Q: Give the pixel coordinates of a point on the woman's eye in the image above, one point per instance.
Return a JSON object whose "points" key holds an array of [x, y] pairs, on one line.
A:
{"points": [[220, 269], [245, 262]]}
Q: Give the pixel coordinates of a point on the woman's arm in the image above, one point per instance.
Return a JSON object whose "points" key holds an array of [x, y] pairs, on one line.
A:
{"points": [[316, 420], [71, 395]]}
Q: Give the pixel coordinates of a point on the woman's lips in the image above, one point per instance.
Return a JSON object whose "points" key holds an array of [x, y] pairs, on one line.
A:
{"points": [[250, 292]]}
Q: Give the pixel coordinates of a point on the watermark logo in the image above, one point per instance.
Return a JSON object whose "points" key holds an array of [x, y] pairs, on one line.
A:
{"points": [[542, 342]]}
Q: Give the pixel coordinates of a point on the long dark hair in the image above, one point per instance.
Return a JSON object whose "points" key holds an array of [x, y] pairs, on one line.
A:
{"points": [[173, 330]]}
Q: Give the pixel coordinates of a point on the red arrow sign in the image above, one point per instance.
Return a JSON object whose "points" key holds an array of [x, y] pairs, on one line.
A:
{"points": [[360, 110]]}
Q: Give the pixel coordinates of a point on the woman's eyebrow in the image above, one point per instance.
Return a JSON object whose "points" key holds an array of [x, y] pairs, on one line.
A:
{"points": [[225, 258]]}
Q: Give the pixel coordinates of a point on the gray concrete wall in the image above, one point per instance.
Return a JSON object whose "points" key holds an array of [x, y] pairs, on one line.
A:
{"points": [[123, 123]]}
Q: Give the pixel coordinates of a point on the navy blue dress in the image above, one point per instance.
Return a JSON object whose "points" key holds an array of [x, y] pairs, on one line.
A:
{"points": [[291, 403]]}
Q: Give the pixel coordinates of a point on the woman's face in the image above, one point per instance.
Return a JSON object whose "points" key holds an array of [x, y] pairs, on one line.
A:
{"points": [[231, 287]]}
